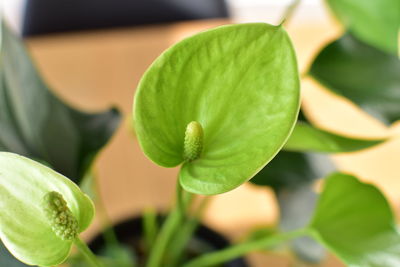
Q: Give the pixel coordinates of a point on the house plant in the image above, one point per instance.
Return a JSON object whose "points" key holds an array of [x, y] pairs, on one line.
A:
{"points": [[207, 132]]}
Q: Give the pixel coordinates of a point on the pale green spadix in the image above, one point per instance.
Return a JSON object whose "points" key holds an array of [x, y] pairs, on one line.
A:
{"points": [[61, 219], [193, 143], [29, 193], [238, 86]]}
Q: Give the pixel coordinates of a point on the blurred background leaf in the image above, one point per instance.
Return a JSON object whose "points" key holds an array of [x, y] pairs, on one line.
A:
{"points": [[375, 22], [354, 220], [365, 75], [292, 174], [37, 124]]}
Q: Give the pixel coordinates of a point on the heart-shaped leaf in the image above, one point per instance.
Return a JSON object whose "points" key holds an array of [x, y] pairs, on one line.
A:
{"points": [[24, 227], [36, 124], [376, 22], [306, 137], [240, 83], [354, 220], [368, 77]]}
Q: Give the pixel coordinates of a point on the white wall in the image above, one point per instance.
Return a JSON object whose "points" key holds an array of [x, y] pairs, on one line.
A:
{"points": [[271, 11], [12, 10]]}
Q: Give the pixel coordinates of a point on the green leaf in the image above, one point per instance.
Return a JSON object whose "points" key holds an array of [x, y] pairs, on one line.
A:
{"points": [[363, 74], [240, 82], [306, 137], [354, 220], [24, 227], [376, 22], [36, 124]]}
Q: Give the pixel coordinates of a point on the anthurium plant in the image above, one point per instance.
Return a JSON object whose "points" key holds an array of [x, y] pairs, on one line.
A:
{"points": [[223, 105]]}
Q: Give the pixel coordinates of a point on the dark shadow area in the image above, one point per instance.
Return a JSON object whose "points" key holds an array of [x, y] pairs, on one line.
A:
{"points": [[50, 16]]}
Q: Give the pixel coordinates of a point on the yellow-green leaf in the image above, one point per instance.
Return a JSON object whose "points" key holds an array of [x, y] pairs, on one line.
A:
{"points": [[24, 227], [240, 83]]}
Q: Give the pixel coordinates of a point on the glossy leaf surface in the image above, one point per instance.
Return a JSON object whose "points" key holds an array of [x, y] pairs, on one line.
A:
{"points": [[354, 220], [376, 22], [36, 124], [363, 74], [240, 82], [306, 137], [24, 227]]}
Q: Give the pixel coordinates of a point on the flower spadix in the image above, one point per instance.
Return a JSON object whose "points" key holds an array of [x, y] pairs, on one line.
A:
{"points": [[41, 211], [193, 144], [221, 103], [61, 219]]}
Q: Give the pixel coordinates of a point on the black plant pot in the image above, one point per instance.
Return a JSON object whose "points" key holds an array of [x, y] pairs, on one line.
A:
{"points": [[129, 233]]}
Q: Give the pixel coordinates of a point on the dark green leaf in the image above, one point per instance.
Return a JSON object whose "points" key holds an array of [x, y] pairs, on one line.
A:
{"points": [[293, 169], [354, 220], [36, 124], [368, 77], [240, 82], [376, 22]]}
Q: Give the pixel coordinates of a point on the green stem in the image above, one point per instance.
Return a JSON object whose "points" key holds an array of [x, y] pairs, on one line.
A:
{"points": [[236, 251], [168, 228], [150, 227], [87, 253], [185, 234], [287, 15]]}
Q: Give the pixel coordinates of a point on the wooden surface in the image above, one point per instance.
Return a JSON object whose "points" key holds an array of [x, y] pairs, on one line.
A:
{"points": [[93, 70]]}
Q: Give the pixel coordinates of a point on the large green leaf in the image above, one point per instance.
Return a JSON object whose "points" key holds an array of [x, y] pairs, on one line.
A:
{"points": [[363, 74], [354, 220], [24, 226], [306, 137], [36, 124], [240, 82], [376, 22]]}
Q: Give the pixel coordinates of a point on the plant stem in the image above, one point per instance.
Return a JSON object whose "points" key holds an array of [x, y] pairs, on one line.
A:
{"points": [[87, 253], [236, 251], [150, 227], [186, 232], [287, 15], [168, 228]]}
